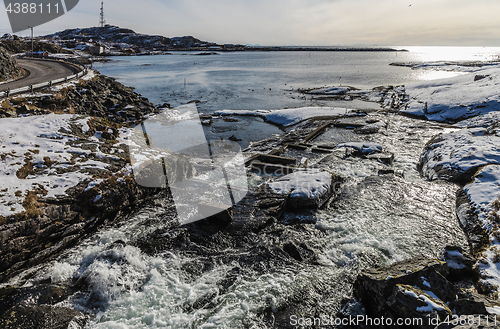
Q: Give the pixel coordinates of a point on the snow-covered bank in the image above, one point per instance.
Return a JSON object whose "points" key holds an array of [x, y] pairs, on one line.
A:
{"points": [[51, 154], [458, 155], [38, 156], [469, 155], [457, 98]]}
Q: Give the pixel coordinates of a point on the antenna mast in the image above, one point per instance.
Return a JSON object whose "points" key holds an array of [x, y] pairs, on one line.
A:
{"points": [[102, 21]]}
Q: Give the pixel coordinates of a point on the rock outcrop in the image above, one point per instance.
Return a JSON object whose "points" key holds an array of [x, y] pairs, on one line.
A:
{"points": [[17, 46], [421, 288], [50, 225], [34, 308], [9, 69], [101, 96]]}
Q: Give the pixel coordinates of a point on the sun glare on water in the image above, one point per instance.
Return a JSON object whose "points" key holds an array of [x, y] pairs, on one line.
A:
{"points": [[435, 54]]}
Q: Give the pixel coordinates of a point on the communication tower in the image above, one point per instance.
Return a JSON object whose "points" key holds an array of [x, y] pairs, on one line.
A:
{"points": [[102, 21]]}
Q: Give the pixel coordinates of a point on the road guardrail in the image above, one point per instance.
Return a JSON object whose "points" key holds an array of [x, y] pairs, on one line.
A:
{"points": [[32, 88]]}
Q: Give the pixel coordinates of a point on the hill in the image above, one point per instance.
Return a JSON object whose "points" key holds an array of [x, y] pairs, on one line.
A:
{"points": [[118, 35]]}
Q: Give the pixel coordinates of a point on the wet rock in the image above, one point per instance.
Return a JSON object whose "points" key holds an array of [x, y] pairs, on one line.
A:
{"points": [[32, 307], [399, 173], [385, 157], [371, 128], [47, 294], [292, 249], [362, 148], [470, 302], [223, 216], [300, 252], [374, 286], [411, 302], [469, 221], [42, 317], [459, 262]]}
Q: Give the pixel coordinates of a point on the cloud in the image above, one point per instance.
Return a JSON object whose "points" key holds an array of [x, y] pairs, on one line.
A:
{"points": [[305, 22]]}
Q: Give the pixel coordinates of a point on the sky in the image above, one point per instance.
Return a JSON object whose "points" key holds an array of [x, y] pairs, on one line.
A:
{"points": [[296, 22]]}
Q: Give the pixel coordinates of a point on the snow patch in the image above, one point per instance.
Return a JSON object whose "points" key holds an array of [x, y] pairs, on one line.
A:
{"points": [[35, 154], [364, 148], [290, 117], [304, 184], [456, 98], [485, 189]]}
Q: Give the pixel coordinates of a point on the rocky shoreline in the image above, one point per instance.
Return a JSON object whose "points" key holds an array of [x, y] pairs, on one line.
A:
{"points": [[468, 156], [96, 109], [275, 238]]}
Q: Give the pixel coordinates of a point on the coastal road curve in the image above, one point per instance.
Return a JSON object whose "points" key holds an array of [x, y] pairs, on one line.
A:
{"points": [[40, 71]]}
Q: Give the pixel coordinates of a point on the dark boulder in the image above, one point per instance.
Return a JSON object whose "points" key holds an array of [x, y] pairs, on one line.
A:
{"points": [[42, 317], [473, 229], [410, 302], [460, 263], [470, 302], [374, 286]]}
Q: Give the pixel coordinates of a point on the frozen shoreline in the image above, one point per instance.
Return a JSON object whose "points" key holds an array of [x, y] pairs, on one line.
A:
{"points": [[469, 155]]}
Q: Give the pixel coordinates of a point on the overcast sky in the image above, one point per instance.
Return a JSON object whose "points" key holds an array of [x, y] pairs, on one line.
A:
{"points": [[297, 22]]}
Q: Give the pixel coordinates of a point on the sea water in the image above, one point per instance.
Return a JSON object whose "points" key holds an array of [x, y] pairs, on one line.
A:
{"points": [[270, 80], [273, 80]]}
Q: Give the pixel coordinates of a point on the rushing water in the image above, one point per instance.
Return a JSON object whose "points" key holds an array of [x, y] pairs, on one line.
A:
{"points": [[377, 219]]}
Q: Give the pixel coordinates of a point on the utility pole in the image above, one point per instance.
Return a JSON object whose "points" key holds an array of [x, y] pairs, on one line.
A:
{"points": [[102, 21], [32, 55]]}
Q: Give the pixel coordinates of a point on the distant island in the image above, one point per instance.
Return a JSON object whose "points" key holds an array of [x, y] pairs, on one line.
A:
{"points": [[117, 41]]}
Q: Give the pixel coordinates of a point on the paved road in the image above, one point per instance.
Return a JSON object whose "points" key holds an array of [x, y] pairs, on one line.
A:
{"points": [[40, 71]]}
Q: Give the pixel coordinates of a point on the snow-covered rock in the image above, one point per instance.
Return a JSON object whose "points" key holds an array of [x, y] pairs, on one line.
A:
{"points": [[458, 155], [290, 117], [484, 191], [307, 188], [371, 128], [470, 156], [363, 147], [46, 156], [457, 98]]}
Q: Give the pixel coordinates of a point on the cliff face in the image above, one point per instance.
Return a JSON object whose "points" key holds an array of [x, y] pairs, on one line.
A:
{"points": [[9, 69]]}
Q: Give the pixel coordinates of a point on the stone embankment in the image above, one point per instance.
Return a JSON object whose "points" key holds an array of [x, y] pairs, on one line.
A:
{"points": [[9, 69]]}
